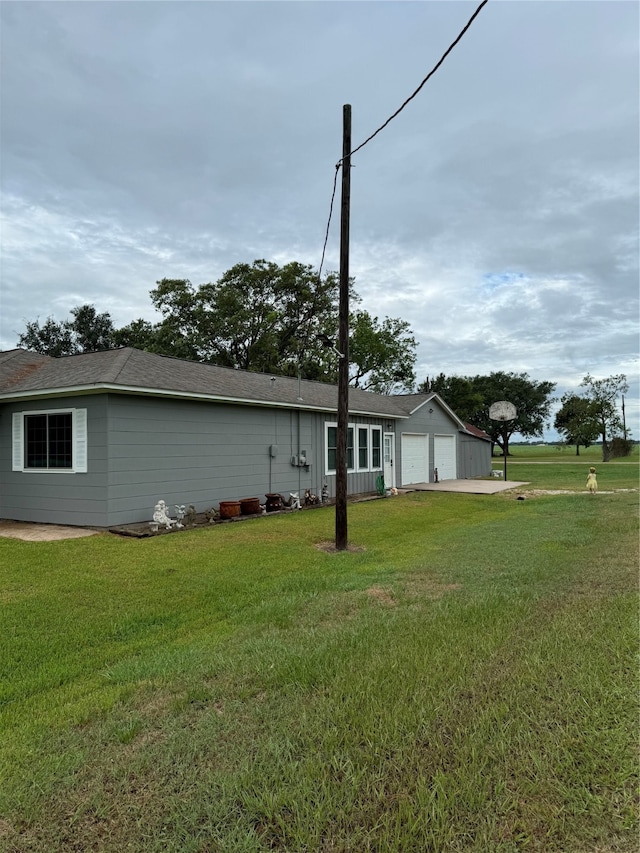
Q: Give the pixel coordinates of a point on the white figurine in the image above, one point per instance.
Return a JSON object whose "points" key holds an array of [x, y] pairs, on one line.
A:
{"points": [[161, 517], [180, 509], [294, 499]]}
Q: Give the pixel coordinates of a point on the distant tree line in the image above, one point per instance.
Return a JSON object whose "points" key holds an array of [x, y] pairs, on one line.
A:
{"points": [[284, 320]]}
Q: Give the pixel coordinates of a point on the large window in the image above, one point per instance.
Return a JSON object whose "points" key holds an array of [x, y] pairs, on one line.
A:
{"points": [[50, 441], [364, 447]]}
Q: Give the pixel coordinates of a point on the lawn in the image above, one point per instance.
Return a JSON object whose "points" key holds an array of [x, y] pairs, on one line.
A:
{"points": [[464, 678]]}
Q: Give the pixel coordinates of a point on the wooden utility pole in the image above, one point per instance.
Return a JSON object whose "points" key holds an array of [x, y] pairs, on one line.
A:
{"points": [[343, 338]]}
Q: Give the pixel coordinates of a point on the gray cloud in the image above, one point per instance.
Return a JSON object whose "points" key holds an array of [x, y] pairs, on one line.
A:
{"points": [[498, 213]]}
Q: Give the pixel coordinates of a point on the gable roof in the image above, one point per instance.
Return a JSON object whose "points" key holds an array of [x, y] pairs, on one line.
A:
{"points": [[127, 370]]}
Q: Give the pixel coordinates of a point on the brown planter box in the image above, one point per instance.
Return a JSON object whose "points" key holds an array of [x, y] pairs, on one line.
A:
{"points": [[229, 509], [250, 506]]}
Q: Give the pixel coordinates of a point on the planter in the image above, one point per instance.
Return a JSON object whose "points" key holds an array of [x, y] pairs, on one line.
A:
{"points": [[229, 509], [250, 506], [274, 501]]}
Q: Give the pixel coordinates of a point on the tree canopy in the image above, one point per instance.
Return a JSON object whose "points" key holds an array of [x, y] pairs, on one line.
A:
{"points": [[260, 317], [471, 397], [602, 395], [87, 331], [577, 421], [458, 392]]}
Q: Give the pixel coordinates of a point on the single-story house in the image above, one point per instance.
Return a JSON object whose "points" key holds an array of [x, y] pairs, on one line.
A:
{"points": [[97, 439]]}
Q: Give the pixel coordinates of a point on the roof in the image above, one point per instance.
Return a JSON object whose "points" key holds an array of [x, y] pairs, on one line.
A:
{"points": [[31, 375], [478, 433]]}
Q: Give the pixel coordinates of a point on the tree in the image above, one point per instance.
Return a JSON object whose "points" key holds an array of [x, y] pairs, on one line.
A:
{"points": [[282, 319], [603, 397], [458, 392], [382, 356], [259, 317], [531, 399], [577, 421], [88, 331]]}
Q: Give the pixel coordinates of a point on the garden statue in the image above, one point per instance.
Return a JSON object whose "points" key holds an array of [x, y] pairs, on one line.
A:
{"points": [[190, 516], [180, 509], [161, 517], [309, 498], [294, 500], [325, 493]]}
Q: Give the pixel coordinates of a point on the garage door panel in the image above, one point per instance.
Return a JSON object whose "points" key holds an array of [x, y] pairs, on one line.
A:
{"points": [[444, 456], [415, 459]]}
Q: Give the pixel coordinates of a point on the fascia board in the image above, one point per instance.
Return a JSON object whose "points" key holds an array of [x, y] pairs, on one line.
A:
{"points": [[106, 388]]}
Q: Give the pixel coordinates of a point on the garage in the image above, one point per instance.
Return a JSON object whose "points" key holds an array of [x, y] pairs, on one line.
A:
{"points": [[444, 456], [415, 459]]}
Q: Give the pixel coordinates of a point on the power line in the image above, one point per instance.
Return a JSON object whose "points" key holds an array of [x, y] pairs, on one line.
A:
{"points": [[430, 74], [391, 117]]}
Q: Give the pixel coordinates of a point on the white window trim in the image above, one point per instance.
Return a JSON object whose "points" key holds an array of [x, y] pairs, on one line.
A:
{"points": [[79, 439], [356, 441]]}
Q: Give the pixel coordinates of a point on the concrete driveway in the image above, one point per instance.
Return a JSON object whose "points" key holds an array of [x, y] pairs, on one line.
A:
{"points": [[469, 487]]}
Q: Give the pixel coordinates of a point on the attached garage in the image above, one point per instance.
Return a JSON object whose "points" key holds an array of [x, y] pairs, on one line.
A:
{"points": [[415, 459], [444, 456]]}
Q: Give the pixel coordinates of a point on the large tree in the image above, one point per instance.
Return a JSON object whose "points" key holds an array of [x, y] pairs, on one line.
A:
{"points": [[532, 401], [577, 421], [603, 394], [86, 331]]}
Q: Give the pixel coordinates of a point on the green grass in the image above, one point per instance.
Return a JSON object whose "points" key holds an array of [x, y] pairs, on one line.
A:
{"points": [[463, 679]]}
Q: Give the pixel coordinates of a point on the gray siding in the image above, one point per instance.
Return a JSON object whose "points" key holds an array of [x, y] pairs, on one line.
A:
{"points": [[141, 449], [51, 496], [474, 457]]}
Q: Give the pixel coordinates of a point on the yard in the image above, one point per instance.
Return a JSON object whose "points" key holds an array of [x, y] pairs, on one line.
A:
{"points": [[464, 678]]}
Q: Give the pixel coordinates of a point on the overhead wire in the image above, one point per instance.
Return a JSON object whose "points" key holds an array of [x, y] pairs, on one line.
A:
{"points": [[391, 117]]}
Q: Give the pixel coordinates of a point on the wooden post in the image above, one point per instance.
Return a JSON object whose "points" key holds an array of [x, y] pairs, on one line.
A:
{"points": [[343, 338]]}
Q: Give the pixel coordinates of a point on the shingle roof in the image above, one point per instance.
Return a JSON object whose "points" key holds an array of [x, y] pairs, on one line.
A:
{"points": [[134, 371]]}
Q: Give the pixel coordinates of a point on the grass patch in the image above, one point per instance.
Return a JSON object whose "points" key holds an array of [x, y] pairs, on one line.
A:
{"points": [[463, 679]]}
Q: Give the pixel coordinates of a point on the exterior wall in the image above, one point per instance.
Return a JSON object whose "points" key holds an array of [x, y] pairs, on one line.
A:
{"points": [[54, 496], [474, 457], [141, 449]]}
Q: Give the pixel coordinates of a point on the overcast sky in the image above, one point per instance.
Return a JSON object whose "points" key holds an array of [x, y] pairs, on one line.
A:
{"points": [[498, 213]]}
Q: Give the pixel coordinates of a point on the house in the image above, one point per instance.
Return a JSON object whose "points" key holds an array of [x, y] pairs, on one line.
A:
{"points": [[96, 439]]}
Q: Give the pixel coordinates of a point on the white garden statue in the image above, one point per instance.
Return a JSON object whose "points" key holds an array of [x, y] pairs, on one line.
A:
{"points": [[161, 517]]}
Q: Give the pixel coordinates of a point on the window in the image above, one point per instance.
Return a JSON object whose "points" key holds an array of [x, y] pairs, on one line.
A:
{"points": [[50, 441], [363, 448], [367, 450], [376, 448]]}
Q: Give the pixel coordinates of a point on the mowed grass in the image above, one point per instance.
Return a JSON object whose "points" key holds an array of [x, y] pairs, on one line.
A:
{"points": [[464, 678]]}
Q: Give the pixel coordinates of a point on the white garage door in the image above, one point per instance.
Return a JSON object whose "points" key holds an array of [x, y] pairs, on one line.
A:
{"points": [[415, 459], [444, 456]]}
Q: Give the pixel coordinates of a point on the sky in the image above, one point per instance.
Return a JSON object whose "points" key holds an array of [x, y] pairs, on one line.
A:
{"points": [[497, 213]]}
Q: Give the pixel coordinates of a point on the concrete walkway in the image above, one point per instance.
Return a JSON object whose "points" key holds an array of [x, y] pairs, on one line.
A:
{"points": [[469, 487]]}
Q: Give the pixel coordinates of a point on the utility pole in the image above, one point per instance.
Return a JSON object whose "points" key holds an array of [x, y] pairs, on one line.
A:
{"points": [[343, 337]]}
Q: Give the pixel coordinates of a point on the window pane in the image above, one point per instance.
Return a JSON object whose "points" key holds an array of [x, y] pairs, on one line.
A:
{"points": [[332, 443], [60, 441], [363, 449], [350, 447], [35, 437], [376, 444]]}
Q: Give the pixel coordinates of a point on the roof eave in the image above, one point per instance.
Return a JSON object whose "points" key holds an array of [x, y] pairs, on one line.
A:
{"points": [[109, 388]]}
